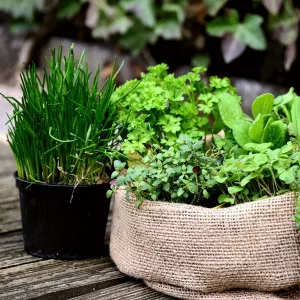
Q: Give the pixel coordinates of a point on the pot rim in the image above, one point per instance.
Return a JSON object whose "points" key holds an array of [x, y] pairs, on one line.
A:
{"points": [[15, 175]]}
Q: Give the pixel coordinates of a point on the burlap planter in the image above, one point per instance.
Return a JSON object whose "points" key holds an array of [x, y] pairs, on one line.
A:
{"points": [[194, 252]]}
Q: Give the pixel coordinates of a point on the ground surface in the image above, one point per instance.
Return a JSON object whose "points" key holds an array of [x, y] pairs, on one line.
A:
{"points": [[26, 277]]}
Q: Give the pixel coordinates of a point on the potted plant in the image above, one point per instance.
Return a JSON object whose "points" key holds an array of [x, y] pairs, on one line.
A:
{"points": [[63, 134], [217, 220]]}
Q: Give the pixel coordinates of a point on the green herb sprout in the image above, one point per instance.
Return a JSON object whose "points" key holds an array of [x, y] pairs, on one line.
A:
{"points": [[64, 130]]}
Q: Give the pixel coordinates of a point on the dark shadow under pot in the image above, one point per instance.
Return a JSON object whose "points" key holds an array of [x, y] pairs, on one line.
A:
{"points": [[54, 226]]}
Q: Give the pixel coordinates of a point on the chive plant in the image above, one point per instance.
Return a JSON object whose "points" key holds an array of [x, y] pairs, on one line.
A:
{"points": [[64, 130]]}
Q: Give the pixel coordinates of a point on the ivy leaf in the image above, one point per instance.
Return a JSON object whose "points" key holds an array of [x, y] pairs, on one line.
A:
{"points": [[250, 33], [222, 25], [230, 109], [213, 6], [263, 105], [231, 48], [168, 29], [143, 10], [273, 6]]}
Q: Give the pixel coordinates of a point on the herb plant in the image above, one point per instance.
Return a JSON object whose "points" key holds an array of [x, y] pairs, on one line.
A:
{"points": [[183, 175], [64, 129], [163, 106]]}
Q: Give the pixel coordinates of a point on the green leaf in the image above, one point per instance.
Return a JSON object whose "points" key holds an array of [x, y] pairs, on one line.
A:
{"points": [[240, 132], [143, 10], [136, 39], [68, 9], [109, 193], [202, 60], [120, 180], [222, 25], [180, 192], [166, 186], [230, 109], [114, 174], [295, 115], [263, 105], [250, 33], [234, 189], [168, 29], [213, 6], [288, 176], [145, 186], [117, 164], [276, 133], [256, 129], [256, 147], [225, 199], [193, 188]]}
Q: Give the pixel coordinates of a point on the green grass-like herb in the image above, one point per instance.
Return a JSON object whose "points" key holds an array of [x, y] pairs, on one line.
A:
{"points": [[64, 129]]}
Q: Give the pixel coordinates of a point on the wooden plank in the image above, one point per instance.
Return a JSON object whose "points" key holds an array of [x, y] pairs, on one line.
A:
{"points": [[64, 278], [10, 217], [133, 289], [12, 251], [8, 190]]}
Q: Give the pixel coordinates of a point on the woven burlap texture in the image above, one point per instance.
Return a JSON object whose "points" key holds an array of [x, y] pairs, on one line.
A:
{"points": [[254, 245]]}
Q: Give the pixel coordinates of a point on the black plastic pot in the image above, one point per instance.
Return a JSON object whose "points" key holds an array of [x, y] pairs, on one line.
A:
{"points": [[54, 226]]}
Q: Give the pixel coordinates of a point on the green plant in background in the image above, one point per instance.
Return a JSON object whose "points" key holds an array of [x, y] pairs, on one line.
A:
{"points": [[64, 129], [138, 23], [183, 175], [259, 175], [275, 120], [163, 106]]}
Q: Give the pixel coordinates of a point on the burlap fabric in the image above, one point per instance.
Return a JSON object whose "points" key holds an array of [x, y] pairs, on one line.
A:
{"points": [[186, 250]]}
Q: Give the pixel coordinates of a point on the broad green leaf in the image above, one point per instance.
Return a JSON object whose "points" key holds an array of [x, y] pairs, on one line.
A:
{"points": [[240, 132], [222, 25], [284, 99], [276, 133], [250, 33], [295, 115], [256, 147], [263, 105], [230, 109], [256, 129], [248, 178], [168, 29], [143, 10], [213, 6], [234, 189]]}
